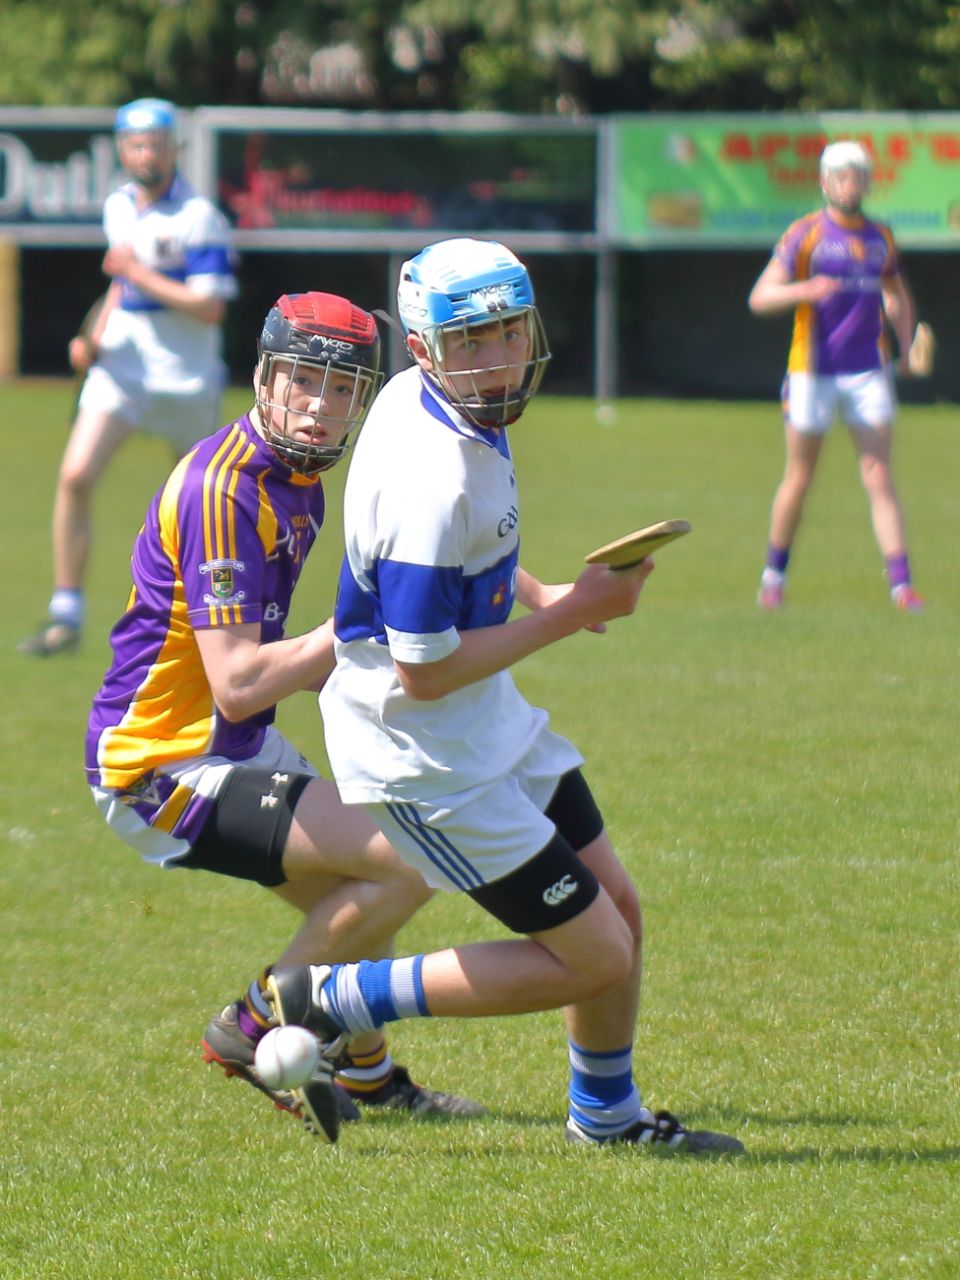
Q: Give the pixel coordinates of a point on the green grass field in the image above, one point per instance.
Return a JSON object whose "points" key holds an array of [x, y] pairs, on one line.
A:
{"points": [[783, 789]]}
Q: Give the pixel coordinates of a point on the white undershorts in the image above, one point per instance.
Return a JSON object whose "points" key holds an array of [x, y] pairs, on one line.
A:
{"points": [[181, 419], [812, 400], [470, 838]]}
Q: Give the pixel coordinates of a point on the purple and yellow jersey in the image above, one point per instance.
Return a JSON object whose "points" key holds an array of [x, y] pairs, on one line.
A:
{"points": [[846, 332], [223, 543]]}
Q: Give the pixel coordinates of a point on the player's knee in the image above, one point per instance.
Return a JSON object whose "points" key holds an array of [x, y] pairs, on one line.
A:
{"points": [[798, 481], [608, 959], [628, 904], [608, 965], [875, 475], [409, 887], [77, 478]]}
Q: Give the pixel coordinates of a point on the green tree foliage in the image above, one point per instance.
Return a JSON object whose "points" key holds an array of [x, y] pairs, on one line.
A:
{"points": [[518, 55], [811, 54]]}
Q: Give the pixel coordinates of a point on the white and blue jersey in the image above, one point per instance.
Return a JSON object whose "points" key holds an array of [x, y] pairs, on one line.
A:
{"points": [[432, 525], [185, 237]]}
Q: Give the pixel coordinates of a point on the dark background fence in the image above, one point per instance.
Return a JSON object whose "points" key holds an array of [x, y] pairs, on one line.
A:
{"points": [[683, 324]]}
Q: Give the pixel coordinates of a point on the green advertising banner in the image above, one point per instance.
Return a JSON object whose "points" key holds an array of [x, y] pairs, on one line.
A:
{"points": [[734, 180]]}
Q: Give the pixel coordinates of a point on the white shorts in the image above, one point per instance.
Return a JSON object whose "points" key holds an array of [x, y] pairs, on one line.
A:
{"points": [[470, 838], [183, 419], [203, 776], [811, 400]]}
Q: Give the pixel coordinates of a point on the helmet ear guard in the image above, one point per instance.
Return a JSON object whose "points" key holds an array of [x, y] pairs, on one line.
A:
{"points": [[317, 332], [461, 284]]}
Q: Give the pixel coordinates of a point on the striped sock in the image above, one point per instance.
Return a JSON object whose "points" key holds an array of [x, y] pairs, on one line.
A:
{"points": [[362, 997], [365, 1073], [254, 1016], [603, 1098]]}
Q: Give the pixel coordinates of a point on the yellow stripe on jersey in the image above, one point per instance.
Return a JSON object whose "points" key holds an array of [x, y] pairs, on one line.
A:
{"points": [[267, 523], [219, 484], [800, 358], [172, 714], [170, 813], [234, 610]]}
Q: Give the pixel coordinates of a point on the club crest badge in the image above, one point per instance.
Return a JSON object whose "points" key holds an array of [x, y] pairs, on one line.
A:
{"points": [[223, 581]]}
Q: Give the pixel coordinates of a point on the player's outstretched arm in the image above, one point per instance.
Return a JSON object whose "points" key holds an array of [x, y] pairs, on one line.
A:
{"points": [[776, 292], [598, 595], [901, 313], [534, 594], [246, 676]]}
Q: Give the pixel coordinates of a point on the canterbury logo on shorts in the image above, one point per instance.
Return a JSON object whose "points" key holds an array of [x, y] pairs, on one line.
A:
{"points": [[560, 891]]}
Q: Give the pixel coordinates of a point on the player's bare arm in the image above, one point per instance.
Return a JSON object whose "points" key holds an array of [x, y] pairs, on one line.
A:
{"points": [[122, 261], [534, 594], [246, 676], [599, 595], [776, 292], [82, 349], [901, 314]]}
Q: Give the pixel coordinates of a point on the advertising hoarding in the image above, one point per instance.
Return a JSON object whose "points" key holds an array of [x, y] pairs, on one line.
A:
{"points": [[738, 180], [297, 177]]}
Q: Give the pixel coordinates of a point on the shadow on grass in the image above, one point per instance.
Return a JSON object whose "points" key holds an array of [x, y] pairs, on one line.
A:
{"points": [[807, 1154]]}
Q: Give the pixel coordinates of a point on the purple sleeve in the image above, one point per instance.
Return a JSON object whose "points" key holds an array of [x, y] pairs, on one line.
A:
{"points": [[786, 251], [222, 558]]}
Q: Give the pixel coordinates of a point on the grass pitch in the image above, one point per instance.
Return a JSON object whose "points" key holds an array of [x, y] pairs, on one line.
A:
{"points": [[783, 789]]}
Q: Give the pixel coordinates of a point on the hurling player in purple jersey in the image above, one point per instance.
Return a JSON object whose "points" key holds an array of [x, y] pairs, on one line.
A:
{"points": [[839, 273], [182, 755]]}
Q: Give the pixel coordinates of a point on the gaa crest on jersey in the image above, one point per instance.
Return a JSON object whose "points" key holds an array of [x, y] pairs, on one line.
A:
{"points": [[223, 583]]}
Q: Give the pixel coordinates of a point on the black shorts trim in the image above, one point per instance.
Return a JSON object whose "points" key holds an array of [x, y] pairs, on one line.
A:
{"points": [[246, 833], [550, 889], [574, 812]]}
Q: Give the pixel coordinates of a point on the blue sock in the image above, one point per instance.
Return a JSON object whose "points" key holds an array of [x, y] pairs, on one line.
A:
{"points": [[603, 1098], [363, 996]]}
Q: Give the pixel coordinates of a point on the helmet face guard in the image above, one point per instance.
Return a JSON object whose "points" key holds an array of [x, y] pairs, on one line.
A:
{"points": [[466, 295], [835, 159], [333, 346], [143, 117], [490, 395]]}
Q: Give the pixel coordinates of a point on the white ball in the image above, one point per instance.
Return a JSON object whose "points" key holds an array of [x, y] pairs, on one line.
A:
{"points": [[286, 1057]]}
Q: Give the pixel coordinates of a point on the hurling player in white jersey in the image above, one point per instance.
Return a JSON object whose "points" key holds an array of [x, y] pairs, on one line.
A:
{"points": [[152, 359], [425, 727]]}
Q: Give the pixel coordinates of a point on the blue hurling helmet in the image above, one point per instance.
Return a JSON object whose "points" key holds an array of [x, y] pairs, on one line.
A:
{"points": [[462, 284], [146, 115]]}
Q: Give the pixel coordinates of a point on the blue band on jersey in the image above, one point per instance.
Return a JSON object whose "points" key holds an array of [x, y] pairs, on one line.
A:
{"points": [[420, 598], [208, 260], [357, 614], [132, 299], [488, 596], [424, 599]]}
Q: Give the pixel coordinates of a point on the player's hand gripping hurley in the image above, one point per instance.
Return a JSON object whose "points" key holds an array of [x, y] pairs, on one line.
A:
{"points": [[923, 348]]}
